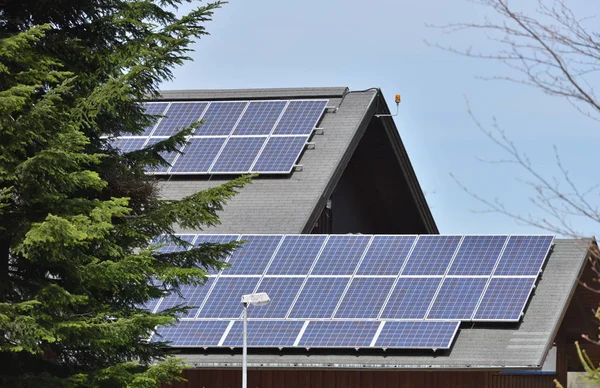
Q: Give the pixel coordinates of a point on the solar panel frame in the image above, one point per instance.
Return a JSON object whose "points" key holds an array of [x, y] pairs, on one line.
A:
{"points": [[264, 334], [393, 333], [271, 155], [316, 108], [349, 334], [188, 334], [513, 292], [506, 263]]}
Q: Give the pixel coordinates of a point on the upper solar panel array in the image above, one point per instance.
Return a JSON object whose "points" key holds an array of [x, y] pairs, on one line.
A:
{"points": [[235, 137], [359, 290]]}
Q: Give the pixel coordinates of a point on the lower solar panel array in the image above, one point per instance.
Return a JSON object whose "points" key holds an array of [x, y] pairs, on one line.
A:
{"points": [[358, 290]]}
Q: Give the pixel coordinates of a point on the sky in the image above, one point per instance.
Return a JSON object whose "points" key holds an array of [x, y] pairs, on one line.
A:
{"points": [[383, 43]]}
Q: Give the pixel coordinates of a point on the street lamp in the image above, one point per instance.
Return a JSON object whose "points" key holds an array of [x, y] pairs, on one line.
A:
{"points": [[258, 299]]}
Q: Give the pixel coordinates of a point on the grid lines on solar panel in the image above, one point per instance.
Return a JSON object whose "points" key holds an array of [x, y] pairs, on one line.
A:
{"points": [[219, 118], [386, 255], [224, 299], [341, 255], [259, 118], [215, 239], [153, 109], [125, 145], [300, 117], [477, 255], [238, 154], [417, 335], [253, 256], [198, 155], [174, 299], [169, 157], [192, 296], [282, 292], [524, 255], [457, 298], [411, 298], [192, 333], [319, 297], [179, 116], [338, 334], [364, 298], [296, 255], [265, 334], [504, 299], [169, 246], [280, 154], [431, 255]]}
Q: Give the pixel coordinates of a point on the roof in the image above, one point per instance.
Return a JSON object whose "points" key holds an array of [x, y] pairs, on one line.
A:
{"points": [[293, 203], [477, 346]]}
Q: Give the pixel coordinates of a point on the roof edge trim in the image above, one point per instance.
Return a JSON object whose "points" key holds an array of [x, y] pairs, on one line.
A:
{"points": [[250, 94]]}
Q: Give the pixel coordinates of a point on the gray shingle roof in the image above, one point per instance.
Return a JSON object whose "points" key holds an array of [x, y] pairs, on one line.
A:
{"points": [[511, 346]]}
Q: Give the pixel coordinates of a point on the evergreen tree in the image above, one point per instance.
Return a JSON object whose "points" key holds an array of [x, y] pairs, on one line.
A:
{"points": [[77, 218]]}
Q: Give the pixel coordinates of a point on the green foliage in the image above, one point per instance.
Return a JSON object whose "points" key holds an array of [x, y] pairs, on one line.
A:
{"points": [[78, 219]]}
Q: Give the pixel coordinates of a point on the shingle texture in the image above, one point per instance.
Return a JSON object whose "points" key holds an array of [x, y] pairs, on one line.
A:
{"points": [[480, 347]]}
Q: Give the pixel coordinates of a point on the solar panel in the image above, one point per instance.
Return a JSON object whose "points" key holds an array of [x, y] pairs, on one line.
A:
{"points": [[169, 157], [255, 254], [411, 298], [174, 299], [504, 299], [300, 117], [341, 255], [259, 117], [169, 246], [319, 297], [220, 118], [417, 335], [282, 292], [524, 255], [265, 334], [477, 255], [192, 296], [386, 255], [238, 154], [198, 155], [215, 239], [154, 109], [457, 298], [128, 144], [178, 116], [296, 255], [224, 299], [280, 154], [431, 255], [192, 333], [364, 298], [338, 334]]}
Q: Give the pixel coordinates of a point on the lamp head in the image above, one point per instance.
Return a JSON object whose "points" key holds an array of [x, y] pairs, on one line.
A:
{"points": [[258, 299]]}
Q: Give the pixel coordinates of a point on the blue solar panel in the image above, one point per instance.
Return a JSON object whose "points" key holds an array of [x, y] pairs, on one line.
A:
{"points": [[319, 297], [457, 298], [220, 118], [280, 154], [192, 333], [265, 334], [386, 255], [296, 255], [154, 109], [178, 116], [198, 155], [252, 258], [216, 239], [173, 299], [125, 145], [192, 296], [417, 335], [168, 246], [411, 298], [338, 334], [169, 157], [282, 292], [364, 298], [259, 118], [225, 298], [524, 255], [238, 155], [505, 299], [341, 255], [477, 255], [300, 117], [431, 255]]}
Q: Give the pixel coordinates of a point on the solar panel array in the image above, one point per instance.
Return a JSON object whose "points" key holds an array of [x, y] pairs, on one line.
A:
{"points": [[358, 291], [235, 137]]}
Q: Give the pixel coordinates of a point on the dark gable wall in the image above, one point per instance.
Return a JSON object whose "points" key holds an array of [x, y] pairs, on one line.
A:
{"points": [[372, 196]]}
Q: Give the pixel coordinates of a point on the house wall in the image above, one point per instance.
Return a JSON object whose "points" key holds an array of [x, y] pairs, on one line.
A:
{"points": [[231, 378]]}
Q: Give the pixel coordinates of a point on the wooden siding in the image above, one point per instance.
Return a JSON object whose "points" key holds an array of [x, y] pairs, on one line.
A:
{"points": [[231, 378]]}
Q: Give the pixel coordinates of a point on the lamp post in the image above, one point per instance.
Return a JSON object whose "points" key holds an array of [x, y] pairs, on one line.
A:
{"points": [[258, 299]]}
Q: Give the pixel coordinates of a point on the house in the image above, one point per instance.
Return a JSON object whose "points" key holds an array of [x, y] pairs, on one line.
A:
{"points": [[355, 177]]}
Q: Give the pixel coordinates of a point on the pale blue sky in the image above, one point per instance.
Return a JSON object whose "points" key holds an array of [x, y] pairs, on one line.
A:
{"points": [[381, 43]]}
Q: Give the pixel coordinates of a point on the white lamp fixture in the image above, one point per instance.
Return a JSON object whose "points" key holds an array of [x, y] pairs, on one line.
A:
{"points": [[258, 299]]}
